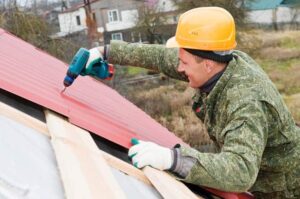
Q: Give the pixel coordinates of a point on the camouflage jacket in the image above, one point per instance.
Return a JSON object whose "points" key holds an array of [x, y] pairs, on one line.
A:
{"points": [[258, 141]]}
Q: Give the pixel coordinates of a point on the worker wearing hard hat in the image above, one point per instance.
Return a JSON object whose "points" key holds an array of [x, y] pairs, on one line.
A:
{"points": [[257, 139]]}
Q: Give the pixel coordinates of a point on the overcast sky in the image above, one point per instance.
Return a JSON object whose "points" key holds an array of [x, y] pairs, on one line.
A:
{"points": [[29, 2]]}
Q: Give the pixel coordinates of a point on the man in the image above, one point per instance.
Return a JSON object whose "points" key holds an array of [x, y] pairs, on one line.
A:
{"points": [[258, 141]]}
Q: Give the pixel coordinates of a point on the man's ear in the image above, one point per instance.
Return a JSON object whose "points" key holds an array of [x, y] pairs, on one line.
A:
{"points": [[208, 65]]}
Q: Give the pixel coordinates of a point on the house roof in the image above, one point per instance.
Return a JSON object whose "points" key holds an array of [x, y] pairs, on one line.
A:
{"points": [[262, 4], [37, 76], [290, 3], [269, 4]]}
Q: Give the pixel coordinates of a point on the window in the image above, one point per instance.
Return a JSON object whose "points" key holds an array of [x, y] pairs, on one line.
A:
{"points": [[94, 16], [78, 20], [117, 36], [113, 16]]}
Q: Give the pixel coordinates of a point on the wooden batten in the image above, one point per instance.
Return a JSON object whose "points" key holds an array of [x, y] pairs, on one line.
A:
{"points": [[84, 174], [125, 167], [23, 118], [167, 186]]}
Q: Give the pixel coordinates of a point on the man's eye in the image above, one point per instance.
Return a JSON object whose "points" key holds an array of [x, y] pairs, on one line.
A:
{"points": [[182, 62]]}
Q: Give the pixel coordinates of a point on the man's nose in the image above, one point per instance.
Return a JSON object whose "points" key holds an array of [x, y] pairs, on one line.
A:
{"points": [[180, 68]]}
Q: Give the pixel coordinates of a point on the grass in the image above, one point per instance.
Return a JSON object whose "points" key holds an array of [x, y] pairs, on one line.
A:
{"points": [[293, 103], [280, 65], [284, 73], [133, 71], [279, 57], [289, 42]]}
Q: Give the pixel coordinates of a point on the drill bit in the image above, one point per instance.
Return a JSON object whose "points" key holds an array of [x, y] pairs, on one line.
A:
{"points": [[63, 90]]}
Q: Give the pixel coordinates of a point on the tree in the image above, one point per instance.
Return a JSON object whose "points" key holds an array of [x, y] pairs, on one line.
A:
{"points": [[295, 14], [152, 23], [274, 19], [235, 7], [36, 31]]}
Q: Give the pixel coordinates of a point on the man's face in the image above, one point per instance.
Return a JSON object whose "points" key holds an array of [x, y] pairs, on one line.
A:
{"points": [[197, 72]]}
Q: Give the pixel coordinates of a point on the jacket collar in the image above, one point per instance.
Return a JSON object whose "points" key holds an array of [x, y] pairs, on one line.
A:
{"points": [[222, 82]]}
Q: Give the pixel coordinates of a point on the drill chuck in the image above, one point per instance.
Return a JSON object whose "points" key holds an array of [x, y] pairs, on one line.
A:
{"points": [[77, 66], [69, 79]]}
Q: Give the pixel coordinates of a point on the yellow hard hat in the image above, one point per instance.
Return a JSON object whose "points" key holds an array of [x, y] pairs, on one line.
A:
{"points": [[205, 28]]}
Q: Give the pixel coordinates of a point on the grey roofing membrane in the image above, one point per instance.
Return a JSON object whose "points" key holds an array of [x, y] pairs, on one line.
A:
{"points": [[27, 163], [133, 188]]}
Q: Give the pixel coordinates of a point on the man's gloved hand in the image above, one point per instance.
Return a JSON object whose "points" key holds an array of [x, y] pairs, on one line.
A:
{"points": [[148, 153], [96, 54]]}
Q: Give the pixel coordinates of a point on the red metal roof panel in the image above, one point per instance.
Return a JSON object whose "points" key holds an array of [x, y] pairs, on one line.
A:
{"points": [[37, 76]]}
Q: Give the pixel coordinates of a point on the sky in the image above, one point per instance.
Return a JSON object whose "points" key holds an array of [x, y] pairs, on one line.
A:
{"points": [[29, 2]]}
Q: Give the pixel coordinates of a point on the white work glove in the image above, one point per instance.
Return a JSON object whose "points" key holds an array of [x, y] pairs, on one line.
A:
{"points": [[95, 56], [150, 154]]}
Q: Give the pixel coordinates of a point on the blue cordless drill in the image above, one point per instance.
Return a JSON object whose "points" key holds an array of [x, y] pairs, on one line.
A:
{"points": [[97, 69]]}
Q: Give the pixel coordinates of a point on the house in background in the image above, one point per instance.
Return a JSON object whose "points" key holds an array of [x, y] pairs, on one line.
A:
{"points": [[115, 19], [72, 20], [274, 13], [51, 16]]}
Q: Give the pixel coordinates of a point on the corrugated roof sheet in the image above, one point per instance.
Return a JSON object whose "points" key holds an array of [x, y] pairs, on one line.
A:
{"points": [[35, 75]]}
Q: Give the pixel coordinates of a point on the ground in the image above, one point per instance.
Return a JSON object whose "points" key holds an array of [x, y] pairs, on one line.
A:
{"points": [[169, 101]]}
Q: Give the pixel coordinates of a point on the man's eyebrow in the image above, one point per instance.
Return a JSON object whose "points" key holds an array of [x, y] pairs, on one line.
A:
{"points": [[182, 60]]}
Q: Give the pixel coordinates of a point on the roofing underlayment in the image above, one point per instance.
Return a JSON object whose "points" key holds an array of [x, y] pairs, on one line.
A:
{"points": [[37, 76], [28, 166]]}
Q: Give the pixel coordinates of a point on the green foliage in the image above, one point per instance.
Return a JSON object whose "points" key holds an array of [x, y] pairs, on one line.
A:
{"points": [[235, 7], [36, 31], [28, 27]]}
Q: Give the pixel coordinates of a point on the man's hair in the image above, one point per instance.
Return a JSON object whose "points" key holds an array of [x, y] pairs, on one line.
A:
{"points": [[198, 59]]}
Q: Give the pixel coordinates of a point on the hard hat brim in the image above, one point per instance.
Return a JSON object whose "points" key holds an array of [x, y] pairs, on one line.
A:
{"points": [[172, 43]]}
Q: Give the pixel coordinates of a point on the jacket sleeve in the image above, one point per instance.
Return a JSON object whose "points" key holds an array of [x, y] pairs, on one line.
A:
{"points": [[236, 167], [150, 56]]}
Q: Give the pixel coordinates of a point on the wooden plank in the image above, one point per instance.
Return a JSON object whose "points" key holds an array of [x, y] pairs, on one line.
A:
{"points": [[167, 186], [23, 118], [125, 167], [84, 174]]}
